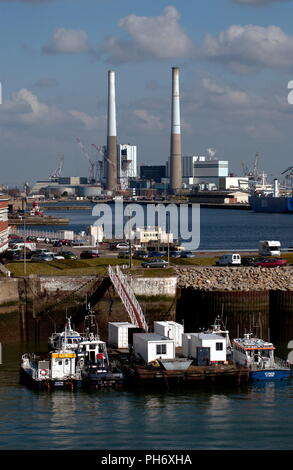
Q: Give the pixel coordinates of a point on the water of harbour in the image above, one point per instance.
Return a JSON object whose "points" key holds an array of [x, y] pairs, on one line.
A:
{"points": [[220, 229], [250, 417]]}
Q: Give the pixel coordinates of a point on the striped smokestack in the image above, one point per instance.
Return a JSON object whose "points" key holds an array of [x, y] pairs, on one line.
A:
{"points": [[175, 154], [111, 135]]}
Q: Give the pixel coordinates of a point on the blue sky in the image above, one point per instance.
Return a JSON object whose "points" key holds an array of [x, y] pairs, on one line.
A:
{"points": [[235, 59]]}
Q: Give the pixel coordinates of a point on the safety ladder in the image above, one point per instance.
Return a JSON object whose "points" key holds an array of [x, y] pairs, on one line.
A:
{"points": [[127, 296]]}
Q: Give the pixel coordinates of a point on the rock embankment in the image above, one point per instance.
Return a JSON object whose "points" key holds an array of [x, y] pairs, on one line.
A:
{"points": [[235, 279]]}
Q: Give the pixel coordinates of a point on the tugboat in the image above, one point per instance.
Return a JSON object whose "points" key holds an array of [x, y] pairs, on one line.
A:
{"points": [[55, 371], [258, 356], [73, 360], [92, 358]]}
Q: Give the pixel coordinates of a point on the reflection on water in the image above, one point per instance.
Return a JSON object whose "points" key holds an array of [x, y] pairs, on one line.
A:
{"points": [[249, 417]]}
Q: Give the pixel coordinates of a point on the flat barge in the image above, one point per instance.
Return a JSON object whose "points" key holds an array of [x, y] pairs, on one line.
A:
{"points": [[143, 375], [38, 221]]}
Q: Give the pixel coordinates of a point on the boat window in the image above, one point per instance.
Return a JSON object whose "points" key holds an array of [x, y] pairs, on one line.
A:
{"points": [[66, 362], [101, 348], [219, 346], [161, 349]]}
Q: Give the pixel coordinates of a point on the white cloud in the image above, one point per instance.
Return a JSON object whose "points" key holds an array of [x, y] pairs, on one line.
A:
{"points": [[157, 38], [147, 120], [246, 48], [26, 110], [67, 41]]}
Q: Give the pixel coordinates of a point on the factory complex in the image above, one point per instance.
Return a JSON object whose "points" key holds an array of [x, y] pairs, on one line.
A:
{"points": [[116, 171]]}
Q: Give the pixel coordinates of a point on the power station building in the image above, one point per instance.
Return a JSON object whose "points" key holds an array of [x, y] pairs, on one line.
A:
{"points": [[127, 164], [203, 171]]}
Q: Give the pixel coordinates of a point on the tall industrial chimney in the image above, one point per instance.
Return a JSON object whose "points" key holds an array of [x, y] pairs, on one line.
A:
{"points": [[111, 184], [175, 154]]}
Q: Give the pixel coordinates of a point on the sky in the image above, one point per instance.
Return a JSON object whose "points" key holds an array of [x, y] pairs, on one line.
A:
{"points": [[235, 59]]}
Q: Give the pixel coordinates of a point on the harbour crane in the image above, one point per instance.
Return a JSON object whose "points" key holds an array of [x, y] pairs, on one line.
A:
{"points": [[58, 172], [92, 165]]}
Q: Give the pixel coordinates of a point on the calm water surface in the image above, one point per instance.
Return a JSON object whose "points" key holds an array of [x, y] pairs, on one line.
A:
{"points": [[250, 417], [223, 229]]}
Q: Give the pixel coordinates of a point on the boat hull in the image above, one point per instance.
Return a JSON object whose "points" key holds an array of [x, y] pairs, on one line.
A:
{"points": [[269, 374], [68, 384], [103, 380], [271, 204]]}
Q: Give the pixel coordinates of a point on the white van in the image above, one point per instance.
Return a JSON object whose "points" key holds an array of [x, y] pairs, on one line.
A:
{"points": [[229, 260], [269, 248]]}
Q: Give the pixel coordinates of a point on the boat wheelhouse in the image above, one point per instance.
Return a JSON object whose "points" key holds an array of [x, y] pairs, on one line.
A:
{"points": [[258, 356]]}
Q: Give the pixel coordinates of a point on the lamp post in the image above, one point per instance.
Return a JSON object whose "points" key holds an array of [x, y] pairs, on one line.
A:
{"points": [[24, 247], [130, 247]]}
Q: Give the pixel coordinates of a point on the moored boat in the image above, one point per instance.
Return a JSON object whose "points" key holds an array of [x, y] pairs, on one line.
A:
{"points": [[258, 356], [74, 359], [53, 371]]}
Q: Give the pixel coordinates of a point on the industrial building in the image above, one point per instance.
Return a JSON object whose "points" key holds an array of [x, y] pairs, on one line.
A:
{"points": [[203, 171], [153, 172], [3, 223], [126, 164]]}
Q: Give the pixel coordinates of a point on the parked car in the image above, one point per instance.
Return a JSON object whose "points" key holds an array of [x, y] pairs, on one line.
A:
{"points": [[122, 246], [140, 254], [123, 254], [77, 243], [42, 257], [55, 255], [31, 238], [88, 254], [247, 261], [10, 255], [112, 246], [187, 254], [68, 255], [155, 263], [175, 254], [270, 262], [156, 254]]}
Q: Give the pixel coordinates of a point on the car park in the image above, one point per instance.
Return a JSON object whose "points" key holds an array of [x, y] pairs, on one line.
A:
{"points": [[155, 263], [89, 254]]}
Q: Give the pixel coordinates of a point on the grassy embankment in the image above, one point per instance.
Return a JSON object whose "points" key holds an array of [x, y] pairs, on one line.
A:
{"points": [[99, 266]]}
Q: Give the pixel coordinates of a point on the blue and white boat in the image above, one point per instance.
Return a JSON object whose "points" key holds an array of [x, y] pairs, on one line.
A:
{"points": [[258, 356]]}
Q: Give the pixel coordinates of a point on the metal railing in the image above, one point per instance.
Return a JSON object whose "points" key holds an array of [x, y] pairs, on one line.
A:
{"points": [[127, 296]]}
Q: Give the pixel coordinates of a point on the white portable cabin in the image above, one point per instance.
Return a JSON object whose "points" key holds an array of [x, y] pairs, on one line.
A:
{"points": [[152, 346], [118, 334], [186, 343], [217, 345], [171, 329]]}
